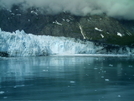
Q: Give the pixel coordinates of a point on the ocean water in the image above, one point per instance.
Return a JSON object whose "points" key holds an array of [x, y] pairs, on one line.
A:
{"points": [[67, 78]]}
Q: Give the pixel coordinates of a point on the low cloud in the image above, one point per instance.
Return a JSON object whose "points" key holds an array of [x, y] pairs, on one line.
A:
{"points": [[115, 8]]}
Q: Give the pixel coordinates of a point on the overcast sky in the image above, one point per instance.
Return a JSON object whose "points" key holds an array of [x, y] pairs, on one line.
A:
{"points": [[114, 8]]}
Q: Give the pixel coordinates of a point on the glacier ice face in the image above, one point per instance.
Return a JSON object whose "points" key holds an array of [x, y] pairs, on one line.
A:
{"points": [[19, 43]]}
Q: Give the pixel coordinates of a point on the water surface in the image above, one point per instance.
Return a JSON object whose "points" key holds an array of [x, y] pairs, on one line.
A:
{"points": [[64, 78]]}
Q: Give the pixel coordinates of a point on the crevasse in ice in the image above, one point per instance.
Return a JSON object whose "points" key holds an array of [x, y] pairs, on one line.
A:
{"points": [[19, 43]]}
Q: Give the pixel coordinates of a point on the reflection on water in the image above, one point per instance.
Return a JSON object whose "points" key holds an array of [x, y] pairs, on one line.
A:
{"points": [[67, 78]]}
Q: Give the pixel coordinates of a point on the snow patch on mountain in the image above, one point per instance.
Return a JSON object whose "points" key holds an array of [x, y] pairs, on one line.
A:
{"points": [[119, 34], [56, 22], [102, 35], [98, 29]]}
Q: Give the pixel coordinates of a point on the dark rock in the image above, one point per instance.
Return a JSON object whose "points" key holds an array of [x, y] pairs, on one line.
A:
{"points": [[4, 54]]}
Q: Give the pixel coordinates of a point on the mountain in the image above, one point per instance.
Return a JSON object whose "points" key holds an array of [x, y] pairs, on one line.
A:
{"points": [[98, 28], [108, 35]]}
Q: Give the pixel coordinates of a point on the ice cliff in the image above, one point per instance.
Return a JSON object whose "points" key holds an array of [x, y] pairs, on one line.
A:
{"points": [[19, 43]]}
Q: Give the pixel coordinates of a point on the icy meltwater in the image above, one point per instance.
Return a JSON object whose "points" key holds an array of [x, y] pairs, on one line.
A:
{"points": [[67, 78]]}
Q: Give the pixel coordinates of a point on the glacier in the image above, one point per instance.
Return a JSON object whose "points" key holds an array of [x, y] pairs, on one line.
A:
{"points": [[19, 44]]}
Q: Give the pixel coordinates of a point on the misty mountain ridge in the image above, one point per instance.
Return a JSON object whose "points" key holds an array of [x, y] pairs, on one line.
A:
{"points": [[97, 28], [113, 8]]}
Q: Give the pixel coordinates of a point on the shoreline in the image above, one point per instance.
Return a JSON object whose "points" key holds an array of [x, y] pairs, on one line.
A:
{"points": [[78, 55], [95, 55]]}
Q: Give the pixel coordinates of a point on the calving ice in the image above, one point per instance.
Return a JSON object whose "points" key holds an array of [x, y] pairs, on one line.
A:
{"points": [[19, 43]]}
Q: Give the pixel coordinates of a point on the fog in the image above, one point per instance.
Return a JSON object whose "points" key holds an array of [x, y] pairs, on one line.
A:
{"points": [[115, 8]]}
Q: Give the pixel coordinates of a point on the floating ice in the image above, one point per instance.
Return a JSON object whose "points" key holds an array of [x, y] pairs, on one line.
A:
{"points": [[106, 79], [5, 97], [110, 65], [72, 81], [45, 70], [130, 66], [102, 76], [119, 95], [19, 86], [2, 92]]}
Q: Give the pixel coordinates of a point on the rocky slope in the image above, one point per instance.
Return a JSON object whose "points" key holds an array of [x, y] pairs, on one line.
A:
{"points": [[97, 28]]}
